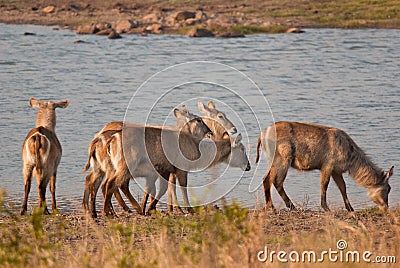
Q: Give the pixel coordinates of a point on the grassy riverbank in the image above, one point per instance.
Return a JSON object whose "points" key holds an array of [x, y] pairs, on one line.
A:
{"points": [[247, 17], [230, 237]]}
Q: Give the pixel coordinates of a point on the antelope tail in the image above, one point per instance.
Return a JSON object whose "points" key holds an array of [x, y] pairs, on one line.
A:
{"points": [[39, 166], [40, 147], [110, 139], [107, 145], [92, 148], [258, 148]]}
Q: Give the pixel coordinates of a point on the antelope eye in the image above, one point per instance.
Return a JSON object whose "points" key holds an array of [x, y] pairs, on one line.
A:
{"points": [[198, 120], [220, 116]]}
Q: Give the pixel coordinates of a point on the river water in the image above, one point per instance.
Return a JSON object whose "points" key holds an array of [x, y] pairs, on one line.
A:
{"points": [[348, 79]]}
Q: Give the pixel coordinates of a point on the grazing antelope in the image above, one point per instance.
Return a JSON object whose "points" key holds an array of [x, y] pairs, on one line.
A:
{"points": [[305, 146], [100, 162], [41, 153], [148, 156]]}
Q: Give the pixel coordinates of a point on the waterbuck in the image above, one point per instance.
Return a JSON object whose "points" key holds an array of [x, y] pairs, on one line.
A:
{"points": [[217, 121], [305, 146], [150, 152], [221, 127], [41, 153], [100, 162]]}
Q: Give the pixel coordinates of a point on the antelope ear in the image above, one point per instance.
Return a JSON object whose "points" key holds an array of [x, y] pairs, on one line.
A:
{"points": [[62, 104], [237, 140], [177, 113], [389, 173], [34, 103], [184, 109], [211, 105], [226, 136], [202, 107]]}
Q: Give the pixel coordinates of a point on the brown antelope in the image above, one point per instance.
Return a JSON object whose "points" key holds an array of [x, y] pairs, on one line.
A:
{"points": [[41, 153], [148, 155], [217, 121], [305, 146], [99, 160], [221, 127]]}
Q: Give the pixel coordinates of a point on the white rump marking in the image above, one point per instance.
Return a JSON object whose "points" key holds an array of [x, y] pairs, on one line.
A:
{"points": [[31, 155]]}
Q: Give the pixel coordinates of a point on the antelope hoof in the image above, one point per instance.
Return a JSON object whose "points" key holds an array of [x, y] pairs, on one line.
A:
{"points": [[349, 208], [139, 211], [46, 211], [150, 211], [190, 210], [23, 211], [177, 211], [326, 208]]}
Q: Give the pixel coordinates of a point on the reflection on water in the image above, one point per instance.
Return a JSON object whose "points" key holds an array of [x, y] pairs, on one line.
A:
{"points": [[343, 78]]}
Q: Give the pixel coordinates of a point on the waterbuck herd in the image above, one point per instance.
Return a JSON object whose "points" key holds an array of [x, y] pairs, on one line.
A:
{"points": [[124, 151]]}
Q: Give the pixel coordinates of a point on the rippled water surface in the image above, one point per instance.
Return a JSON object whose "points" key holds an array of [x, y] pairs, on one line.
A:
{"points": [[349, 79]]}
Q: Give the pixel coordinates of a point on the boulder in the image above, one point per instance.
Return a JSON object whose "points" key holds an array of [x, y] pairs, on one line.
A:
{"points": [[170, 21], [105, 32], [200, 32], [184, 15], [190, 22], [103, 26], [200, 15], [49, 9], [155, 28], [114, 35], [294, 30], [150, 18], [87, 29], [125, 26], [79, 42]]}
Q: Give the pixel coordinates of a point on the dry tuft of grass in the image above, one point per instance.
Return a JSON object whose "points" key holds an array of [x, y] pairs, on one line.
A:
{"points": [[228, 237]]}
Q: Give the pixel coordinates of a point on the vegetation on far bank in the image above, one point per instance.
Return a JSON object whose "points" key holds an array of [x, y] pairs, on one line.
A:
{"points": [[228, 237], [245, 17]]}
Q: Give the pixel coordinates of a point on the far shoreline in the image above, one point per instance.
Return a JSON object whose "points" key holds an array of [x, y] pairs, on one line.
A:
{"points": [[198, 19]]}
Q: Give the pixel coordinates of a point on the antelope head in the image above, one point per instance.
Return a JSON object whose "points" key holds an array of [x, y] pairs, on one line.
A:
{"points": [[218, 116], [46, 116], [380, 193]]}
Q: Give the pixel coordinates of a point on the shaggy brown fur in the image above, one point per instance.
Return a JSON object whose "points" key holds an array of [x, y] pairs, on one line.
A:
{"points": [[147, 155], [306, 146]]}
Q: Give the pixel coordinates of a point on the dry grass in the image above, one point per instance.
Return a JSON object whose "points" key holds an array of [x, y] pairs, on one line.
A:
{"points": [[230, 237]]}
